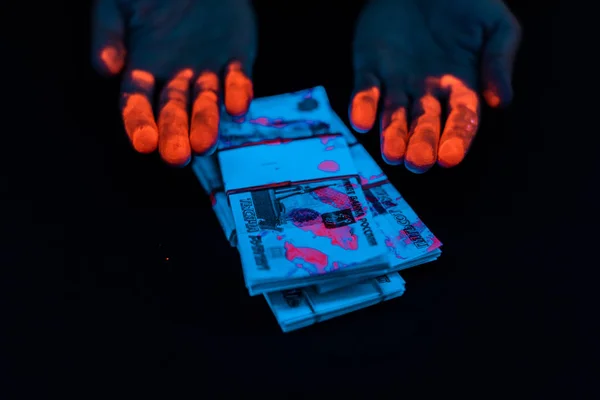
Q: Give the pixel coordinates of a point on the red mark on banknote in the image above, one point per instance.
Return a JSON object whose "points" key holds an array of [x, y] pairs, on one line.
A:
{"points": [[311, 256], [329, 166], [325, 139], [364, 181], [332, 197], [310, 220], [436, 243]]}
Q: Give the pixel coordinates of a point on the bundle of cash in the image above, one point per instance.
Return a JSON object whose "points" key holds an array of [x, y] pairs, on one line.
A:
{"points": [[320, 230]]}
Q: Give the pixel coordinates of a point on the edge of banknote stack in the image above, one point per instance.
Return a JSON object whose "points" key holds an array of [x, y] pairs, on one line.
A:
{"points": [[320, 230]]}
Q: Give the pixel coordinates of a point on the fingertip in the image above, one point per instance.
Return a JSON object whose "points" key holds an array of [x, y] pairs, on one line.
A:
{"points": [[109, 60], [176, 151], [415, 169], [236, 103], [420, 157], [451, 153], [491, 98], [145, 139], [203, 145], [393, 151], [363, 109], [239, 90], [395, 161]]}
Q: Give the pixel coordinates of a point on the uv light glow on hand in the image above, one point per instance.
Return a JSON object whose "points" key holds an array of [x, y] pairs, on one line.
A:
{"points": [[173, 120], [420, 147], [137, 111], [363, 109], [112, 59], [139, 37], [462, 122], [423, 55], [421, 154], [238, 90], [394, 135], [205, 114]]}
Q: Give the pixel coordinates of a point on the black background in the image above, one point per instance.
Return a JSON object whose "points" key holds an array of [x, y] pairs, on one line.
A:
{"points": [[119, 280]]}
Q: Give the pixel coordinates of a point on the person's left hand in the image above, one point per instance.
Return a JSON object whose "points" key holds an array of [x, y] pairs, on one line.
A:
{"points": [[420, 52]]}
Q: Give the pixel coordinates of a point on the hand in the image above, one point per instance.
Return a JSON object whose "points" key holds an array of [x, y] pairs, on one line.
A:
{"points": [[423, 51], [187, 44]]}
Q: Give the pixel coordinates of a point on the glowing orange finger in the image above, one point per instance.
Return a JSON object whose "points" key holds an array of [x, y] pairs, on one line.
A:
{"points": [[174, 142], [205, 114], [491, 97], [137, 112], [363, 109], [394, 136], [422, 147], [461, 124], [238, 90], [112, 59]]}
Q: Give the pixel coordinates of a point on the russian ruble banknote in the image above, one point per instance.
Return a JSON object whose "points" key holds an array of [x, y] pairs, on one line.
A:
{"points": [[311, 115], [409, 241], [300, 213]]}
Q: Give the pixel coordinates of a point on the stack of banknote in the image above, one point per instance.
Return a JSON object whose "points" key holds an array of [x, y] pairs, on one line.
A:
{"points": [[320, 230]]}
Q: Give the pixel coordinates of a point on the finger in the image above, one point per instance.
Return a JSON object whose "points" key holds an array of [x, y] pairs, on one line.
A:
{"points": [[205, 114], [424, 136], [238, 89], [136, 109], [498, 59], [363, 106], [394, 127], [173, 121], [108, 27], [461, 124]]}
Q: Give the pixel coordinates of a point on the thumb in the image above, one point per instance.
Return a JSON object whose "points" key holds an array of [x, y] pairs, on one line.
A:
{"points": [[108, 28], [498, 58]]}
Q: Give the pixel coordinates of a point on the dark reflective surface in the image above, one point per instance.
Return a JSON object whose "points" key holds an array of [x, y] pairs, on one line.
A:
{"points": [[118, 271]]}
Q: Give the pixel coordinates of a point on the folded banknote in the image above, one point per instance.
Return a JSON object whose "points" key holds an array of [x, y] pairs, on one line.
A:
{"points": [[409, 241], [300, 213], [298, 308], [307, 114]]}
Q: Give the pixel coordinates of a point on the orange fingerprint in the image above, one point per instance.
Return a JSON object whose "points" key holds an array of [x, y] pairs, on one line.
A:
{"points": [[461, 124], [422, 147], [363, 110], [205, 114], [394, 137], [142, 79], [137, 114], [491, 98], [238, 90], [112, 59], [139, 123], [174, 143]]}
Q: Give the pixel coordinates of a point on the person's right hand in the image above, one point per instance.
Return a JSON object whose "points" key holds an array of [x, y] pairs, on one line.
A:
{"points": [[188, 45]]}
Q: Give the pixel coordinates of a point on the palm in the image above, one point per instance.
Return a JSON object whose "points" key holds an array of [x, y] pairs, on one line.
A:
{"points": [[167, 37], [187, 45], [420, 52]]}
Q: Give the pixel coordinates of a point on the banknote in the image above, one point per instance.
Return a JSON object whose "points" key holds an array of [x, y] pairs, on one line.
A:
{"points": [[286, 116], [269, 113], [298, 308], [300, 213], [407, 238], [300, 114]]}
